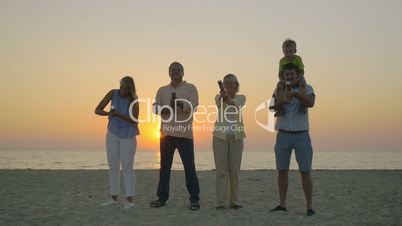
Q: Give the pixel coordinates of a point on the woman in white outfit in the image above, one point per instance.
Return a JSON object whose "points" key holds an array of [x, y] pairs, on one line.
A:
{"points": [[121, 140], [227, 143]]}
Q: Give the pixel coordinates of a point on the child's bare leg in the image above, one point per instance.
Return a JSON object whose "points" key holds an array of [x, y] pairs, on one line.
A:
{"points": [[302, 90], [280, 94], [302, 85]]}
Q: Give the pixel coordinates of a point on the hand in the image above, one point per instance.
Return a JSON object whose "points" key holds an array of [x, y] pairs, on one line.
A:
{"points": [[289, 92], [165, 111], [180, 104], [112, 113], [287, 100], [281, 85], [223, 94], [292, 93], [299, 81], [295, 81]]}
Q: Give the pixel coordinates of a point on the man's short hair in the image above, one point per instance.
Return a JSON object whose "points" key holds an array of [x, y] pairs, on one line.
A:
{"points": [[176, 63], [291, 66]]}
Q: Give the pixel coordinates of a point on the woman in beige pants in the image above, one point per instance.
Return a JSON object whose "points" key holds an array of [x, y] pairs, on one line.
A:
{"points": [[228, 143]]}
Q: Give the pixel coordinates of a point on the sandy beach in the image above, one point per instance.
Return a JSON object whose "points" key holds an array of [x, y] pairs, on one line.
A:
{"points": [[53, 197]]}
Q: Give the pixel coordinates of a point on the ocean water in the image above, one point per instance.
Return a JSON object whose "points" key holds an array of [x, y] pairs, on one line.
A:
{"points": [[92, 160]]}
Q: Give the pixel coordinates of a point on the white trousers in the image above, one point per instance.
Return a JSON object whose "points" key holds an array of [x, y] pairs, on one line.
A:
{"points": [[227, 155], [121, 151]]}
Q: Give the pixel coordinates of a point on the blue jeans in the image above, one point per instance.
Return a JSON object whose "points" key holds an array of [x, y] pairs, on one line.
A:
{"points": [[168, 145]]}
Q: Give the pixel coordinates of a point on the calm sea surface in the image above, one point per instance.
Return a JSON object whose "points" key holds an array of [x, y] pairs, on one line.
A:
{"points": [[91, 160]]}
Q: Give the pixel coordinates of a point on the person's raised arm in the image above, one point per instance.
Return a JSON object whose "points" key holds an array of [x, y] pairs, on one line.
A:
{"points": [[280, 98], [220, 99], [99, 110], [307, 100]]}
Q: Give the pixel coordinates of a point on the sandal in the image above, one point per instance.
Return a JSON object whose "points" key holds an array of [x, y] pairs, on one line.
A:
{"points": [[157, 203], [310, 212], [279, 208], [236, 206], [195, 206]]}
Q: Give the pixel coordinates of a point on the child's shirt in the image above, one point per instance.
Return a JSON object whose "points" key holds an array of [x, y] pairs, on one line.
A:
{"points": [[297, 61]]}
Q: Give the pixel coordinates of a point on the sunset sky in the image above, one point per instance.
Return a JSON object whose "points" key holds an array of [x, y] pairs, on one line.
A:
{"points": [[59, 58]]}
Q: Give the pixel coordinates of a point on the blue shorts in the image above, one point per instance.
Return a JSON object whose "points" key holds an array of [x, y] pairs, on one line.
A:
{"points": [[301, 143]]}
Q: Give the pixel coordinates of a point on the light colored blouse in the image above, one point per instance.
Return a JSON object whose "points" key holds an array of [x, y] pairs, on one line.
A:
{"points": [[229, 119]]}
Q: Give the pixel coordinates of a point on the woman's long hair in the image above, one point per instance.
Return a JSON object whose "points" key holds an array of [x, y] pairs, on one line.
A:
{"points": [[128, 81], [232, 78]]}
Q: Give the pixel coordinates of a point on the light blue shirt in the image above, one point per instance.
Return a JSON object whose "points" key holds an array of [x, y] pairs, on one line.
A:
{"points": [[293, 120], [118, 126]]}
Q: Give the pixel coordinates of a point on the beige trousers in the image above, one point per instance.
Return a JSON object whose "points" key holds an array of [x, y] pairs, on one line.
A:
{"points": [[227, 155]]}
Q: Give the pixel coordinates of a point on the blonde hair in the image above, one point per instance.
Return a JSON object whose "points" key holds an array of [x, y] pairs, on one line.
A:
{"points": [[128, 81], [232, 78]]}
